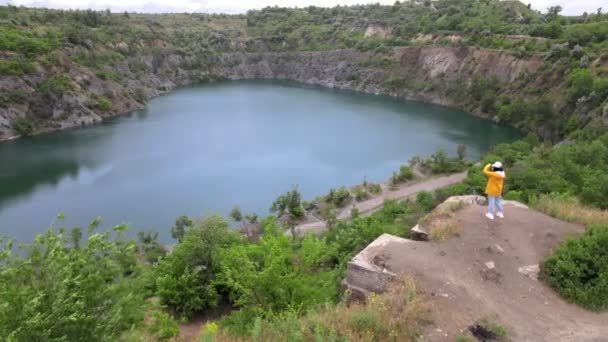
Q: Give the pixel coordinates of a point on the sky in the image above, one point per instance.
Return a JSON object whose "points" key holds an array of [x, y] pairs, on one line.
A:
{"points": [[571, 7]]}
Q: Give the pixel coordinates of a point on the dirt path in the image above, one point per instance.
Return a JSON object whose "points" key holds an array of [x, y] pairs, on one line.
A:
{"points": [[376, 202], [479, 274]]}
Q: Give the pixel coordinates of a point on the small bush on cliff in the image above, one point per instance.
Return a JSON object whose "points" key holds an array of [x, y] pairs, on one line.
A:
{"points": [[103, 104], [578, 269], [16, 67], [23, 126], [55, 85]]}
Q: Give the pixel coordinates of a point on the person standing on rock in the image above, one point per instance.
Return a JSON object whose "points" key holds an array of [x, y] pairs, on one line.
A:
{"points": [[496, 178]]}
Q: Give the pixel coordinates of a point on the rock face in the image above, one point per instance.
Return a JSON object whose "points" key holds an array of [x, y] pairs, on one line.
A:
{"points": [[365, 273], [428, 74]]}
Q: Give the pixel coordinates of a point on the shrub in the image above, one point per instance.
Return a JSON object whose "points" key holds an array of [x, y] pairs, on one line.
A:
{"points": [[361, 194], [375, 188], [55, 85], [578, 269], [16, 67], [405, 174], [426, 200], [289, 202], [236, 214], [339, 197], [164, 326], [103, 104], [185, 278], [58, 288], [23, 126]]}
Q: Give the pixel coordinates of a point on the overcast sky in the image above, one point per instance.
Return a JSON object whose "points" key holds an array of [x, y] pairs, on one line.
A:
{"points": [[571, 7]]}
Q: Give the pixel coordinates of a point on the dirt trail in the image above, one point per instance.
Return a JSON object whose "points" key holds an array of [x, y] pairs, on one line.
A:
{"points": [[478, 274], [376, 202]]}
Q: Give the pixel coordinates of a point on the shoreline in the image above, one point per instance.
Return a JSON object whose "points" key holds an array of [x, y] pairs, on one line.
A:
{"points": [[420, 97]]}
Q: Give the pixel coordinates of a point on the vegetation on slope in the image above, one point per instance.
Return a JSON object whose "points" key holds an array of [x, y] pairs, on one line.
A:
{"points": [[103, 53]]}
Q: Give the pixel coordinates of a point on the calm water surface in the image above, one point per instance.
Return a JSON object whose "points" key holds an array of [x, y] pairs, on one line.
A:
{"points": [[207, 148]]}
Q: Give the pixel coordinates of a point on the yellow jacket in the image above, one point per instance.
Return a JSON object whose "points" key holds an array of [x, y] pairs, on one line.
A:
{"points": [[495, 181]]}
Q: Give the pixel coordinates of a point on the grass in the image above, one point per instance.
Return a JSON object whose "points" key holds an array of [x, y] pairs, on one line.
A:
{"points": [[463, 338], [397, 315], [442, 222], [571, 210]]}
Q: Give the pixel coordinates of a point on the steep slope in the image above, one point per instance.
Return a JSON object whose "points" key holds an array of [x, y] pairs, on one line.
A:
{"points": [[542, 73]]}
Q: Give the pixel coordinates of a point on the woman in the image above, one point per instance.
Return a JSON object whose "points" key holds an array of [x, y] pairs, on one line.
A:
{"points": [[496, 178]]}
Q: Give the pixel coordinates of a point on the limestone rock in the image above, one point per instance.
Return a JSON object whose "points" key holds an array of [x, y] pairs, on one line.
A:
{"points": [[530, 271], [417, 233]]}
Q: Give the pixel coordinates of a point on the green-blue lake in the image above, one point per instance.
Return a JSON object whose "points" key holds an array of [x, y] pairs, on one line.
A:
{"points": [[206, 148]]}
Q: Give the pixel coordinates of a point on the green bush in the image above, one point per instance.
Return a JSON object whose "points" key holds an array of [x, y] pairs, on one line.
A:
{"points": [[290, 202], [426, 200], [186, 277], [60, 288], [578, 269], [16, 67], [339, 197], [56, 85], [164, 326], [405, 174], [103, 104], [361, 194], [375, 188], [23, 125]]}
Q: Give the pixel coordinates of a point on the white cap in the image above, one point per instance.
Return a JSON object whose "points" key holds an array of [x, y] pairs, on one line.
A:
{"points": [[497, 165]]}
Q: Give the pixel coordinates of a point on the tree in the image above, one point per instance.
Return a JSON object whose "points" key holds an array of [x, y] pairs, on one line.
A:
{"points": [[553, 12], [185, 278], [328, 214], [178, 231], [236, 214], [461, 151], [289, 202]]}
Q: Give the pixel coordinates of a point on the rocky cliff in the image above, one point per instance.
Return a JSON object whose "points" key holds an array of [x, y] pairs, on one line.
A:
{"points": [[431, 74]]}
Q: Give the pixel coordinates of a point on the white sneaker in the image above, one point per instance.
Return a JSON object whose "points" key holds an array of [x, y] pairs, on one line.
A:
{"points": [[490, 216], [501, 215]]}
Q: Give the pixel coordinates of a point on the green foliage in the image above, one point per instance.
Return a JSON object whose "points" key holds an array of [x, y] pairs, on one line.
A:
{"points": [[339, 198], [266, 275], [56, 85], [375, 188], [9, 98], [186, 277], [236, 214], [290, 202], [164, 326], [426, 200], [361, 193], [150, 247], [15, 66], [580, 84], [405, 174], [181, 225], [439, 163], [578, 269], [23, 126], [58, 289], [101, 103]]}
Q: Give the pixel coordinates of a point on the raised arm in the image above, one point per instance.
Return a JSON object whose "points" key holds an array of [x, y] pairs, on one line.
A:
{"points": [[487, 172]]}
